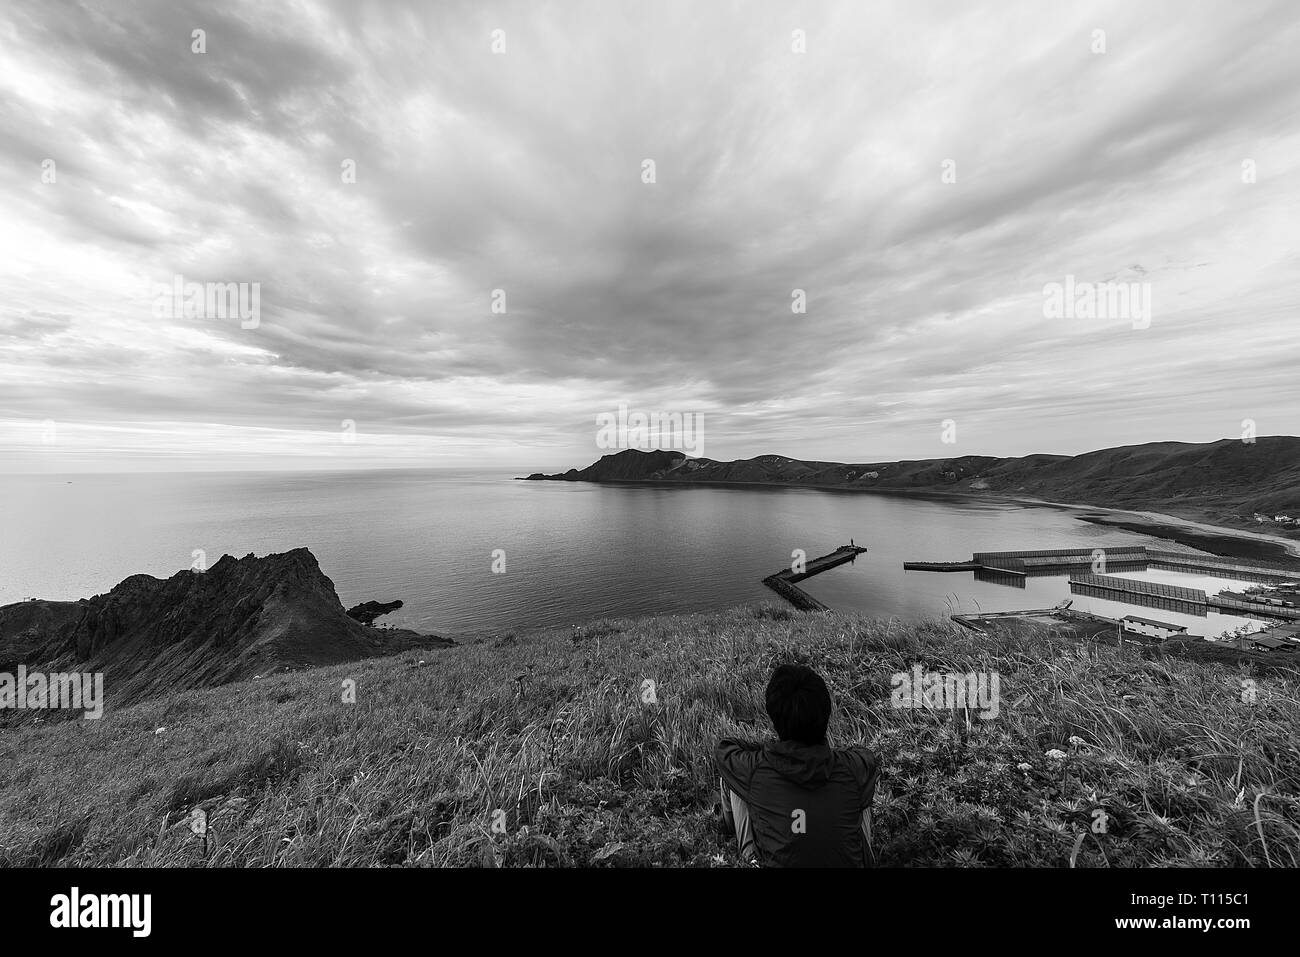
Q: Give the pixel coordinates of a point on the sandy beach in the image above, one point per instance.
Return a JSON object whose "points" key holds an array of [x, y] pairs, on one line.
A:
{"points": [[1220, 539]]}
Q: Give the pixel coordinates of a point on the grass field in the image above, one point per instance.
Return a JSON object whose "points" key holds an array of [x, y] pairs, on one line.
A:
{"points": [[549, 737]]}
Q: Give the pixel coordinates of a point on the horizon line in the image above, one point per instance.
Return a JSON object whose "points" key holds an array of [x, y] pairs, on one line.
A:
{"points": [[300, 469]]}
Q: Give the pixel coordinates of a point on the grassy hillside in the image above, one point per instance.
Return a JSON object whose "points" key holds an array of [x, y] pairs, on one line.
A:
{"points": [[551, 729], [1224, 481]]}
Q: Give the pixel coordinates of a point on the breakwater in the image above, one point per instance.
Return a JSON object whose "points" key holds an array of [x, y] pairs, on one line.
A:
{"points": [[783, 582], [1186, 601], [1133, 586], [1228, 567]]}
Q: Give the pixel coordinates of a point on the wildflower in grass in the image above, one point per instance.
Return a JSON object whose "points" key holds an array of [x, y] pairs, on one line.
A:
{"points": [[963, 857], [1056, 755], [1076, 741], [1025, 766]]}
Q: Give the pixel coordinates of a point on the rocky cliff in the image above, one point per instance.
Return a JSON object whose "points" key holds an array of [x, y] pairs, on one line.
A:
{"points": [[241, 618]]}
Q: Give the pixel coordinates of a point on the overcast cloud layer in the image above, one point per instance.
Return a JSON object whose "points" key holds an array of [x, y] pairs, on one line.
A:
{"points": [[522, 171]]}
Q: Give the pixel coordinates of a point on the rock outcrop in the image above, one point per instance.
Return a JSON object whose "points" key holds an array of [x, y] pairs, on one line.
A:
{"points": [[368, 611], [630, 465], [243, 617]]}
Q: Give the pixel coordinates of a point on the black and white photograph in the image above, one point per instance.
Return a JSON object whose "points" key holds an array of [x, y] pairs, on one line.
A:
{"points": [[444, 441]]}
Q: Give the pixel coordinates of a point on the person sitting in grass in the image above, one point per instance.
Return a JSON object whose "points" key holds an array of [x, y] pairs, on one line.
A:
{"points": [[797, 802]]}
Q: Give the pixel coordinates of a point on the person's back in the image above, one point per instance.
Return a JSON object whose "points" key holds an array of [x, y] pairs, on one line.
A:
{"points": [[797, 802]]}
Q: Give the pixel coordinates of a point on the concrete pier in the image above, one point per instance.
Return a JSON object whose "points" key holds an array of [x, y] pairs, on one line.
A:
{"points": [[783, 582]]}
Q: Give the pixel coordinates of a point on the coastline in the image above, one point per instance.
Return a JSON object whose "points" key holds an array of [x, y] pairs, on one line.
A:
{"points": [[1224, 540], [1258, 545]]}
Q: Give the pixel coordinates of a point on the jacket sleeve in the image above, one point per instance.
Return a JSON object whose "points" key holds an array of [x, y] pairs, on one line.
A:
{"points": [[866, 764], [736, 760]]}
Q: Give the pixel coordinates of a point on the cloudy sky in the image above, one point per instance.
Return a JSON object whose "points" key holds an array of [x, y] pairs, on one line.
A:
{"points": [[922, 171]]}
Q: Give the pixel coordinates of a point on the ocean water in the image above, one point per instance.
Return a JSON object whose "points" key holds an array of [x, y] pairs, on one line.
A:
{"points": [[570, 552]]}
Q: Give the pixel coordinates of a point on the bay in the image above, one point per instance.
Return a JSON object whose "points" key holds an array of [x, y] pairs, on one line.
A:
{"points": [[571, 552]]}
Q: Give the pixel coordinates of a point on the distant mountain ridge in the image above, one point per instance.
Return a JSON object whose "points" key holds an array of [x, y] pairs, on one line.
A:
{"points": [[241, 618], [1227, 481]]}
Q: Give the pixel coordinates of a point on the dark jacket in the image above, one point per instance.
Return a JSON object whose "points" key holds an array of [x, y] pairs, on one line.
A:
{"points": [[805, 802]]}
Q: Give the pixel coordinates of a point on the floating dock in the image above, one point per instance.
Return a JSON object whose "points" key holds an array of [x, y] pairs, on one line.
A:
{"points": [[942, 566], [783, 582]]}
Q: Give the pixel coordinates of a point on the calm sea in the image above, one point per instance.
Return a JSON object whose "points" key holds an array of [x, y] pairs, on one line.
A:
{"points": [[572, 552]]}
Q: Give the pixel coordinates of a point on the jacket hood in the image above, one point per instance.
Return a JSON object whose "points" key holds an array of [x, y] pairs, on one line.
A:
{"points": [[805, 765]]}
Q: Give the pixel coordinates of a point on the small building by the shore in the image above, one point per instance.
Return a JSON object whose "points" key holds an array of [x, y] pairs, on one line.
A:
{"points": [[1269, 643], [1151, 628]]}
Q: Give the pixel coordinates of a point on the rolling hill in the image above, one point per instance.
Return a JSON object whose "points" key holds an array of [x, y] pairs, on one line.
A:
{"points": [[1225, 482]]}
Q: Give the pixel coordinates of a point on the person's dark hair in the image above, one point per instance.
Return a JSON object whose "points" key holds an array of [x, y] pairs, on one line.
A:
{"points": [[798, 704]]}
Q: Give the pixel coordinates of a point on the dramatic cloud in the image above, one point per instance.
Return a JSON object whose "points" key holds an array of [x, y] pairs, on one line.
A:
{"points": [[921, 172]]}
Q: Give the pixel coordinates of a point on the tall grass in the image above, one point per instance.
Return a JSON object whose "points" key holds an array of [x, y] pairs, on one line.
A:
{"points": [[540, 750]]}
